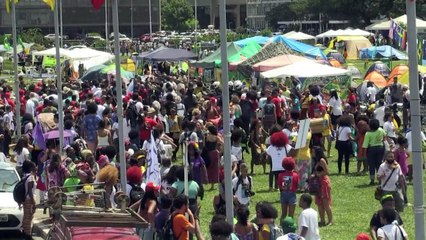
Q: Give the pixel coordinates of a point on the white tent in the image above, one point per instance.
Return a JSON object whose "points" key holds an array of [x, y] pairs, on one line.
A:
{"points": [[345, 32], [298, 36], [51, 52], [305, 70], [385, 24]]}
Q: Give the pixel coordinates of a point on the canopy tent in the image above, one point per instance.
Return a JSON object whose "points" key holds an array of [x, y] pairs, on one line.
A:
{"points": [[103, 70], [268, 51], [279, 61], [385, 24], [261, 40], [298, 36], [385, 51], [167, 54], [397, 71], [336, 55], [51, 52], [378, 79], [380, 67], [300, 47], [93, 73], [345, 32], [404, 78], [305, 69], [352, 44], [248, 51], [209, 61], [129, 65]]}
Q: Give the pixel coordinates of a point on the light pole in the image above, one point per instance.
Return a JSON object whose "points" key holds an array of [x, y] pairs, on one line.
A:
{"points": [[15, 70], [61, 23], [195, 28], [150, 19], [106, 26], [159, 15], [131, 19]]}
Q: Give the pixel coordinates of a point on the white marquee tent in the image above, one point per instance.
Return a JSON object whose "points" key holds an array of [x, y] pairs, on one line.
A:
{"points": [[298, 36], [385, 24], [345, 32], [305, 70]]}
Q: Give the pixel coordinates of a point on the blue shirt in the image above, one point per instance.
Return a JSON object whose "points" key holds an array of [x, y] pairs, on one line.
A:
{"points": [[91, 123]]}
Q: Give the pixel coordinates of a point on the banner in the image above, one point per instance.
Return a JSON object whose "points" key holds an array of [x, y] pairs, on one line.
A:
{"points": [[153, 174], [398, 34]]}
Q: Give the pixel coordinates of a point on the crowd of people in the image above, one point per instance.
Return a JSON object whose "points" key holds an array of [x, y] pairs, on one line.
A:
{"points": [[168, 110]]}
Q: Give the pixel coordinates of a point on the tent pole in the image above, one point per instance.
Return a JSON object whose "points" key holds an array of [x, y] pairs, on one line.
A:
{"points": [[226, 117], [415, 122], [119, 90], [59, 80], [15, 71]]}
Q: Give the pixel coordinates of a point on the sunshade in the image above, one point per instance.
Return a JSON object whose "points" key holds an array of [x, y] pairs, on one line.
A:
{"points": [[248, 51], [279, 61], [305, 70], [167, 54], [385, 24], [261, 40], [209, 61], [300, 47]]}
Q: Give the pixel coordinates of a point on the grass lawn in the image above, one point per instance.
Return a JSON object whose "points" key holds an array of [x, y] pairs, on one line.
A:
{"points": [[353, 203]]}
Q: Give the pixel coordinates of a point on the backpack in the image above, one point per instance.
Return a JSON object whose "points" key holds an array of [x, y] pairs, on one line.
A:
{"points": [[269, 109], [132, 113], [136, 193], [275, 231], [19, 193], [166, 232]]}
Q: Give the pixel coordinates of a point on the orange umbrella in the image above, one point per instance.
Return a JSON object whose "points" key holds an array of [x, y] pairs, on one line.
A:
{"points": [[377, 79], [397, 71]]}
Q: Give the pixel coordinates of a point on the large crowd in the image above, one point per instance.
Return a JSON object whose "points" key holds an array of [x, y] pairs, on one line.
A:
{"points": [[172, 110]]}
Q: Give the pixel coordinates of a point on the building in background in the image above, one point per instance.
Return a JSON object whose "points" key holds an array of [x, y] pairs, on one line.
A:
{"points": [[79, 17], [257, 10]]}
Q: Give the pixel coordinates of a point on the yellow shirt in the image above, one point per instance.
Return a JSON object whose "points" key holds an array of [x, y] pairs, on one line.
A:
{"points": [[305, 152], [266, 229], [327, 130]]}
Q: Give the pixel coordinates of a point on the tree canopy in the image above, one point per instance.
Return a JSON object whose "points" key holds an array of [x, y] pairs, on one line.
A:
{"points": [[176, 14], [358, 12]]}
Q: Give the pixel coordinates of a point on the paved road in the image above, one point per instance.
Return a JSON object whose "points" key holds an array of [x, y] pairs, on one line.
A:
{"points": [[15, 235]]}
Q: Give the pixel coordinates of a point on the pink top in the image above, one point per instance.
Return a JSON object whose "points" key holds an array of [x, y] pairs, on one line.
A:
{"points": [[401, 157]]}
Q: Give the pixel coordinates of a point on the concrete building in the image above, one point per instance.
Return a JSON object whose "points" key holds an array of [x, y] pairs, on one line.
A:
{"points": [[79, 17], [257, 10]]}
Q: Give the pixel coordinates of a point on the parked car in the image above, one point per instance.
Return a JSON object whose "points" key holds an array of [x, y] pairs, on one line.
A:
{"points": [[10, 214], [51, 37]]}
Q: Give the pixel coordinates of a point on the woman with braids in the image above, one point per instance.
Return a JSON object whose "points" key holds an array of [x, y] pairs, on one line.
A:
{"points": [[256, 140]]}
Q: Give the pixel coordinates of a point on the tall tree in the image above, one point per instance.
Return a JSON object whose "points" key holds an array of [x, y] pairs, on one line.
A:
{"points": [[175, 14]]}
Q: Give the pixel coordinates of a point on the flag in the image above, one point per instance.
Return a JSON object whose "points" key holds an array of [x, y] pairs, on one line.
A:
{"points": [[51, 4], [392, 29], [97, 3], [8, 2], [6, 43], [153, 174], [38, 136]]}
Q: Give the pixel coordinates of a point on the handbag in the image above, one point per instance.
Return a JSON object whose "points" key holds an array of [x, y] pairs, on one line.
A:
{"points": [[314, 185], [379, 190]]}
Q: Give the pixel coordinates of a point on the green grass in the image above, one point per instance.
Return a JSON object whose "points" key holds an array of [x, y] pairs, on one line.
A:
{"points": [[353, 203]]}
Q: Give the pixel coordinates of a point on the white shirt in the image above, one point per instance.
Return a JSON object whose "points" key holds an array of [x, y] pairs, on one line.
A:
{"points": [[21, 157], [237, 152], [277, 156], [371, 92], [100, 110], [389, 128], [240, 190], [30, 179], [343, 133], [8, 119], [410, 140], [30, 107], [379, 114], [336, 106], [392, 231], [391, 184], [309, 218], [139, 106], [160, 148]]}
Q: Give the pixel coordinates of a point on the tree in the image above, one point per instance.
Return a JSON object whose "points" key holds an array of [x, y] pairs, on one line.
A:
{"points": [[282, 12], [33, 35], [175, 14], [191, 23]]}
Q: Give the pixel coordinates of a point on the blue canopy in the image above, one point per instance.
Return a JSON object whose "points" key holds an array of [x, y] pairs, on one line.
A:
{"points": [[300, 47], [385, 51], [261, 40]]}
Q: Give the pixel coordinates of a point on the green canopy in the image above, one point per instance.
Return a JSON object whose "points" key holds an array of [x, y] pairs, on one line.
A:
{"points": [[209, 61], [248, 51], [124, 74]]}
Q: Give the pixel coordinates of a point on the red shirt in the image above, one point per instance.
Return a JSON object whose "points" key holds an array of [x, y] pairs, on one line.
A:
{"points": [[288, 181], [145, 132], [278, 103], [312, 110]]}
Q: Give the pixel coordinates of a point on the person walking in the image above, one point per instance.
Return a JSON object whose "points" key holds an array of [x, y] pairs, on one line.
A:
{"points": [[374, 146], [308, 219], [344, 142], [29, 206]]}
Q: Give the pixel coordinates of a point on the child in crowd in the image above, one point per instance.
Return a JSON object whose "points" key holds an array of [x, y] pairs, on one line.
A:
{"points": [[288, 181]]}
